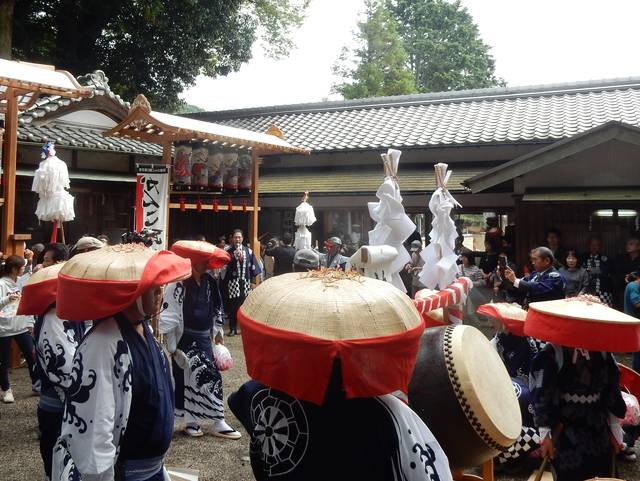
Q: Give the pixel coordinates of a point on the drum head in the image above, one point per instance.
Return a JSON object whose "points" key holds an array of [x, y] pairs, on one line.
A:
{"points": [[482, 384]]}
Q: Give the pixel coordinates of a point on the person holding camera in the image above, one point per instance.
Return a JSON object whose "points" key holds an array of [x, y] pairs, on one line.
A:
{"points": [[544, 284]]}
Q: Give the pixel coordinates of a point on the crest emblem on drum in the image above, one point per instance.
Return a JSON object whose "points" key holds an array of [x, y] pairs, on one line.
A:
{"points": [[281, 432], [517, 388]]}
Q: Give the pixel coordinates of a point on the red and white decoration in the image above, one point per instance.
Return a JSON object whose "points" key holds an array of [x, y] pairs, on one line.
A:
{"points": [[51, 182], [452, 298]]}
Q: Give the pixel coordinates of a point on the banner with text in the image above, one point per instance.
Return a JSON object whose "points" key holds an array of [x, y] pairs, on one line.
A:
{"points": [[152, 197]]}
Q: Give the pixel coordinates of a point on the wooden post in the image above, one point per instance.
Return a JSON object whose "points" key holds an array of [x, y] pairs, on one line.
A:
{"points": [[166, 159], [9, 174], [255, 182]]}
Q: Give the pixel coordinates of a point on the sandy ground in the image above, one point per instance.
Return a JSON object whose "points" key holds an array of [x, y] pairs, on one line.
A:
{"points": [[216, 459]]}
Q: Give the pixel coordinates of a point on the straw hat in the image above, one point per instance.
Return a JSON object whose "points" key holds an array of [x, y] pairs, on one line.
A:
{"points": [[295, 325], [40, 291], [201, 251], [103, 282], [512, 316], [583, 322]]}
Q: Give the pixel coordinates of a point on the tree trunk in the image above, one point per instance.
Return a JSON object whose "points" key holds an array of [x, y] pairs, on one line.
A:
{"points": [[6, 27]]}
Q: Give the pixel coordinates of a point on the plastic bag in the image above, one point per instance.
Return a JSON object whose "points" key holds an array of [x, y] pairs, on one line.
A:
{"points": [[632, 414], [222, 357]]}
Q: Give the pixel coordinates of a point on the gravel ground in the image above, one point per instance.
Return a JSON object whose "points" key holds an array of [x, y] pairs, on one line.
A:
{"points": [[216, 459]]}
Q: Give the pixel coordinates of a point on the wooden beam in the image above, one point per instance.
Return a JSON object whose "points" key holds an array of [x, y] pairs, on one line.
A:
{"points": [[9, 174], [255, 203]]}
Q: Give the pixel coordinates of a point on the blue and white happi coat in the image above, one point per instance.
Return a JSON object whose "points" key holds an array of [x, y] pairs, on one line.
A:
{"points": [[97, 407], [203, 395]]}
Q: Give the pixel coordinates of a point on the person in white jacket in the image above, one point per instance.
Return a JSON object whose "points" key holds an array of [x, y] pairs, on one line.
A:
{"points": [[14, 327], [191, 318]]}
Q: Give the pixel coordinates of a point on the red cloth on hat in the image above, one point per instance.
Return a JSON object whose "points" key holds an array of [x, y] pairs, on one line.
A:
{"points": [[36, 298], [582, 334], [215, 260], [514, 326], [300, 365], [83, 299]]}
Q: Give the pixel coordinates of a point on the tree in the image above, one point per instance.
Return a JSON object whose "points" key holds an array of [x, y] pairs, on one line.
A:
{"points": [[444, 45], [377, 67], [155, 47]]}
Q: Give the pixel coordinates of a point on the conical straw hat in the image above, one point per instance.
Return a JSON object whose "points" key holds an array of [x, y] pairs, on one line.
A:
{"points": [[201, 251], [295, 325], [512, 316], [583, 322], [40, 291], [101, 283]]}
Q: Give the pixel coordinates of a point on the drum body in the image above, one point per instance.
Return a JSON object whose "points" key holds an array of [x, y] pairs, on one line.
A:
{"points": [[462, 391]]}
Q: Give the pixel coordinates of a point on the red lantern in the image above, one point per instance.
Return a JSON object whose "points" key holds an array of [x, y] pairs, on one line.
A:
{"points": [[244, 206], [199, 204], [183, 207], [229, 205], [215, 205]]}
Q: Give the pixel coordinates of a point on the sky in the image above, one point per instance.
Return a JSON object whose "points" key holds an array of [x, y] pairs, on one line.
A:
{"points": [[532, 41]]}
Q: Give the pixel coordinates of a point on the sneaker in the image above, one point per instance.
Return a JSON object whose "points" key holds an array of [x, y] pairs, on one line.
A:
{"points": [[193, 431], [7, 397], [222, 430]]}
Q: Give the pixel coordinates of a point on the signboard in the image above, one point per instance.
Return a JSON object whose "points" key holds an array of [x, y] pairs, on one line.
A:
{"points": [[152, 198]]}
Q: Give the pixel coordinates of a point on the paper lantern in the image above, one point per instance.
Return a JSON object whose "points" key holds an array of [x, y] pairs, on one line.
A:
{"points": [[214, 168], [199, 157], [182, 166]]}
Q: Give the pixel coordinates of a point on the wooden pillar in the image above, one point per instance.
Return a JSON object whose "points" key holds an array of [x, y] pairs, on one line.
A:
{"points": [[522, 240], [9, 174], [255, 182]]}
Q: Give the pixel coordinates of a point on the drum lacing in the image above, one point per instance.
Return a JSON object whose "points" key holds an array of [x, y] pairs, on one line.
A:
{"points": [[460, 395]]}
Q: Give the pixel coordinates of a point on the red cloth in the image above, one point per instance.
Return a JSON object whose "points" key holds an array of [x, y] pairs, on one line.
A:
{"points": [[36, 298], [629, 380], [300, 365], [88, 299], [514, 326], [215, 260], [576, 333]]}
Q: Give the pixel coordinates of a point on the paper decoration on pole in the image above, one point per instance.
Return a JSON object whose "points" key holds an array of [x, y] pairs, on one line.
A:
{"points": [[305, 217], [51, 181], [440, 267], [393, 226], [452, 299], [375, 261], [152, 195]]}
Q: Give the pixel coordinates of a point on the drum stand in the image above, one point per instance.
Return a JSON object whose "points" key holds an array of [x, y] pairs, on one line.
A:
{"points": [[487, 473]]}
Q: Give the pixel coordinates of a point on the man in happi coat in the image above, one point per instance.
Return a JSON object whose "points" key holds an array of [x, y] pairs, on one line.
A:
{"points": [[56, 343], [118, 416], [238, 277], [544, 284], [193, 316]]}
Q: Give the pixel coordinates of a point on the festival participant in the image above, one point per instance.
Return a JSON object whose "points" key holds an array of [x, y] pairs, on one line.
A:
{"points": [[192, 317], [575, 383], [306, 260], [118, 417], [517, 352], [324, 351], [333, 258], [239, 277], [86, 244], [13, 327], [56, 342], [545, 284]]}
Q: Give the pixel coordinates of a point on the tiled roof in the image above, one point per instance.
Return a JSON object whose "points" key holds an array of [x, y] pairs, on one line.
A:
{"points": [[33, 126], [410, 179], [473, 117], [84, 138]]}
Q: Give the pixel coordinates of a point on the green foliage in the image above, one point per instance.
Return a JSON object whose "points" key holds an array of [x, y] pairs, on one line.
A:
{"points": [[155, 47], [380, 59], [444, 45], [186, 108]]}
